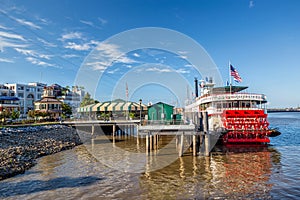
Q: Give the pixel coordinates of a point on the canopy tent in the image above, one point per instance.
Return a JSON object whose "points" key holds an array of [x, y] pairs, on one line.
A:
{"points": [[113, 106]]}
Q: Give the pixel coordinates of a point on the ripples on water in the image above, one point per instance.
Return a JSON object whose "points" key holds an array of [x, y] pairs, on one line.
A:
{"points": [[260, 173]]}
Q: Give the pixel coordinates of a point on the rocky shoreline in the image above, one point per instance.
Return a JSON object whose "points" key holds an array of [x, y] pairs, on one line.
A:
{"points": [[20, 147]]}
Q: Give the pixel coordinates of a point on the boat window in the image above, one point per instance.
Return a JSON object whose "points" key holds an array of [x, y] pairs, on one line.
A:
{"points": [[225, 105], [235, 104]]}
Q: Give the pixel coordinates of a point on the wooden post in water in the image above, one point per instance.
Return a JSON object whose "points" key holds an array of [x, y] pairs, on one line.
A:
{"points": [[151, 142], [206, 132], [147, 144], [114, 132], [155, 141], [93, 129], [194, 145], [137, 135], [181, 145]]}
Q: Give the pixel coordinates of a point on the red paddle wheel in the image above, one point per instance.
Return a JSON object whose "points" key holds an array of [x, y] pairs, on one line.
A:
{"points": [[245, 126]]}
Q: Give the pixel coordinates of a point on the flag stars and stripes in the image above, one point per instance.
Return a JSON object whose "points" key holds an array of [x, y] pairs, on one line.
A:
{"points": [[234, 73]]}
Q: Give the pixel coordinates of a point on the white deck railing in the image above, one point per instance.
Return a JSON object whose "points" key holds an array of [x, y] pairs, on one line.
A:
{"points": [[233, 97]]}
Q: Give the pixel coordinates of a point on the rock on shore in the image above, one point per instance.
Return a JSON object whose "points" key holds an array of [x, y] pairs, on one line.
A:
{"points": [[19, 147]]}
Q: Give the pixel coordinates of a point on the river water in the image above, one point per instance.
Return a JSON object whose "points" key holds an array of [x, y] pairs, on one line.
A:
{"points": [[271, 172]]}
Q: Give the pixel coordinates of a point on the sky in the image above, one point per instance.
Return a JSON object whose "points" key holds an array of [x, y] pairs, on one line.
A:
{"points": [[60, 41]]}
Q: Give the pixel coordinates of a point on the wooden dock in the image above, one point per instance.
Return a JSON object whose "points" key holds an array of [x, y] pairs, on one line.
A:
{"points": [[194, 136]]}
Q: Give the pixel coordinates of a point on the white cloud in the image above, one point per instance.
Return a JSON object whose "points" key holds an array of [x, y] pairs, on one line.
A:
{"points": [[38, 62], [32, 53], [87, 22], [156, 69], [102, 21], [105, 54], [136, 55], [11, 36], [165, 70], [78, 47], [28, 23], [70, 56], [182, 52], [101, 66], [49, 44], [3, 27], [6, 60], [7, 44], [182, 71], [71, 36], [113, 71]]}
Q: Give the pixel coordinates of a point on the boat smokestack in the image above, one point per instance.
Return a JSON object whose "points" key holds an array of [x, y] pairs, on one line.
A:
{"points": [[196, 87]]}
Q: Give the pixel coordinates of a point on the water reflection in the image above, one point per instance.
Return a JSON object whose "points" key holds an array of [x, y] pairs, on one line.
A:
{"points": [[228, 175]]}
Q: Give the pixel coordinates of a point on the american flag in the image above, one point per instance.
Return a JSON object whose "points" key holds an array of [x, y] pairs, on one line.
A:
{"points": [[235, 74]]}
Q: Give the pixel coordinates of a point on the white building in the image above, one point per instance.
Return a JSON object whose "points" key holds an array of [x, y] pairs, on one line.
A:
{"points": [[27, 94], [73, 98]]}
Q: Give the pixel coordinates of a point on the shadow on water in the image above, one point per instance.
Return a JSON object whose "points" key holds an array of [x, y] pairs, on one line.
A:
{"points": [[33, 186]]}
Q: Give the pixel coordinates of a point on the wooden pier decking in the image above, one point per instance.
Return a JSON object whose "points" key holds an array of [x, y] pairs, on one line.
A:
{"points": [[197, 139]]}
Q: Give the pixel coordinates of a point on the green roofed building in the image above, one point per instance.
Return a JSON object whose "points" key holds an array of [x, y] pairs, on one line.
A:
{"points": [[116, 109], [160, 111]]}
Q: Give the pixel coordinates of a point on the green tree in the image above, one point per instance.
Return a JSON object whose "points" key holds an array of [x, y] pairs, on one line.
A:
{"points": [[15, 114], [66, 109], [87, 100], [131, 115]]}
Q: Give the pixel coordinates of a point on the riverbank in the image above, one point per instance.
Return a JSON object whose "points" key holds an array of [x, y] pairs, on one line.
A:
{"points": [[20, 147]]}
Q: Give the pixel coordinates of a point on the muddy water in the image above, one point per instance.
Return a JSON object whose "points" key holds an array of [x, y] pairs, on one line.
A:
{"points": [[272, 172]]}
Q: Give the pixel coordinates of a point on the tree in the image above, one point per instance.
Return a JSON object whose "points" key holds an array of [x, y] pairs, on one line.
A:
{"points": [[87, 100], [31, 114], [15, 114], [66, 109]]}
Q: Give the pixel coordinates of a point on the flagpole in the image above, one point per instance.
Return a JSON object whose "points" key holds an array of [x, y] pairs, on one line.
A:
{"points": [[126, 111], [230, 79]]}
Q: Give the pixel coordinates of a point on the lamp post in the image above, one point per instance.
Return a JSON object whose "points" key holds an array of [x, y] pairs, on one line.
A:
{"points": [[140, 110]]}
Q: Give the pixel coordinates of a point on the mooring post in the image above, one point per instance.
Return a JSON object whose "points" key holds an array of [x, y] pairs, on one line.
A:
{"points": [[206, 132], [114, 132], [155, 141], [147, 143], [93, 129], [151, 142], [137, 135], [194, 145], [181, 145]]}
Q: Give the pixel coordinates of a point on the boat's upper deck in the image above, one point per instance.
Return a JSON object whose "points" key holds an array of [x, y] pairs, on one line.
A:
{"points": [[228, 93], [258, 98]]}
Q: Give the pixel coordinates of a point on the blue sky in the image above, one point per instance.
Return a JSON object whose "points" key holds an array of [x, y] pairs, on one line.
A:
{"points": [[49, 41]]}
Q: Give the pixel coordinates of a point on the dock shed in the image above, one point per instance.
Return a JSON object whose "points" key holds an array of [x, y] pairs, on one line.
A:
{"points": [[160, 111]]}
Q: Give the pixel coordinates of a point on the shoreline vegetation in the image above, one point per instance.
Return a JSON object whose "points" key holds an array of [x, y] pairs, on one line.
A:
{"points": [[21, 146]]}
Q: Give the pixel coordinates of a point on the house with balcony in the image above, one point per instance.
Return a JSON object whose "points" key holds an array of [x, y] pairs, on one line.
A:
{"points": [[8, 103], [27, 94], [49, 104]]}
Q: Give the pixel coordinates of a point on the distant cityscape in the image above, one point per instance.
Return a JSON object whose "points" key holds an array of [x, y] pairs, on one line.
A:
{"points": [[22, 97], [39, 97]]}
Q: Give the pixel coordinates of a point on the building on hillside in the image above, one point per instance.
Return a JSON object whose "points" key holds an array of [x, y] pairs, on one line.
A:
{"points": [[9, 103], [49, 104], [160, 112], [27, 94]]}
